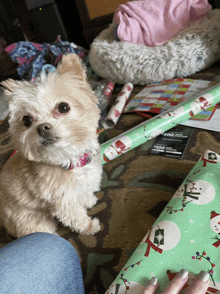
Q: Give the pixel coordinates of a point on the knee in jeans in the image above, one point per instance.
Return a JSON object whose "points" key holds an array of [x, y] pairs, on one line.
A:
{"points": [[56, 245]]}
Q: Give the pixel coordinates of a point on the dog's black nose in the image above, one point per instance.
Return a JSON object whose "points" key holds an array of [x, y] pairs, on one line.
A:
{"points": [[44, 129]]}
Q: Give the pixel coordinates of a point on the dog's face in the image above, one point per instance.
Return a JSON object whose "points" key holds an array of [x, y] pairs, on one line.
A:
{"points": [[54, 119]]}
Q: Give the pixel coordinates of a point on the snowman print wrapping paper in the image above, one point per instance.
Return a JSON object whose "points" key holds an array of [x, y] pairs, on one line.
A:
{"points": [[186, 235]]}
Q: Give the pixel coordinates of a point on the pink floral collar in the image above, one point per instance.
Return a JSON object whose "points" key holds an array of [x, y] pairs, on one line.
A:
{"points": [[84, 159]]}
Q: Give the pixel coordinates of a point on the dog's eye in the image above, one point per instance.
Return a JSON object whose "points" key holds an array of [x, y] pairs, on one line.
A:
{"points": [[27, 120], [63, 107]]}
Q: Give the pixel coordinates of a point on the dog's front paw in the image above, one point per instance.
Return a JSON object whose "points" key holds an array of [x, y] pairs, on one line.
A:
{"points": [[91, 201], [92, 227]]}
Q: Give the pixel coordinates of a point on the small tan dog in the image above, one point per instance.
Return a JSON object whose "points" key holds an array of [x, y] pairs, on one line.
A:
{"points": [[57, 168]]}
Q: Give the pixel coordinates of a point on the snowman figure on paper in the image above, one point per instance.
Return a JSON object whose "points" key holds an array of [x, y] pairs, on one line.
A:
{"points": [[215, 226], [118, 147], [162, 237], [210, 157], [200, 104], [198, 192], [176, 112], [154, 134]]}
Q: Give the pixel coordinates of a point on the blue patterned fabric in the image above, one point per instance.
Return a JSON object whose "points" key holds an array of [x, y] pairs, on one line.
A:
{"points": [[31, 57]]}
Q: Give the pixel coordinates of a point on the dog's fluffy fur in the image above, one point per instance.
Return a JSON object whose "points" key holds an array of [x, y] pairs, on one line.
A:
{"points": [[34, 186]]}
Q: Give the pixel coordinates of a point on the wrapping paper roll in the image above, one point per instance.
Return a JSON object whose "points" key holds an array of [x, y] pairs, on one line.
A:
{"points": [[185, 236], [116, 110], [159, 124]]}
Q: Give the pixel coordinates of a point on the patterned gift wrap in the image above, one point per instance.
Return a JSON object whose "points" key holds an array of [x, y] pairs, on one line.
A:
{"points": [[161, 96], [159, 124], [185, 236], [116, 110]]}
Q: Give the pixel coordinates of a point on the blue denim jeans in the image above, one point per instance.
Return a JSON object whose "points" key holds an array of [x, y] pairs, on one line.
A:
{"points": [[40, 263]]}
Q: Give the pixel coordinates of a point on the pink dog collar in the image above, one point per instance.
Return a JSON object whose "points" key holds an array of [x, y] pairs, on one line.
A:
{"points": [[84, 159]]}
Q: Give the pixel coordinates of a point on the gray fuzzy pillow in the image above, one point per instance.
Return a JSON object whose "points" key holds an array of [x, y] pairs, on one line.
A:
{"points": [[192, 50]]}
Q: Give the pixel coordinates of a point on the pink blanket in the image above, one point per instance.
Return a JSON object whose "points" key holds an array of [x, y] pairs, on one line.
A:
{"points": [[154, 22]]}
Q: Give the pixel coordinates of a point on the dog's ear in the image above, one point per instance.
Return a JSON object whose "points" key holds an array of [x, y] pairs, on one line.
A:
{"points": [[9, 85], [71, 63]]}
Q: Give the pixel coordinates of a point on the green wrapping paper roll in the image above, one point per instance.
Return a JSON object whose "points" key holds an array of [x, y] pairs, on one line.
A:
{"points": [[159, 124], [185, 236]]}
